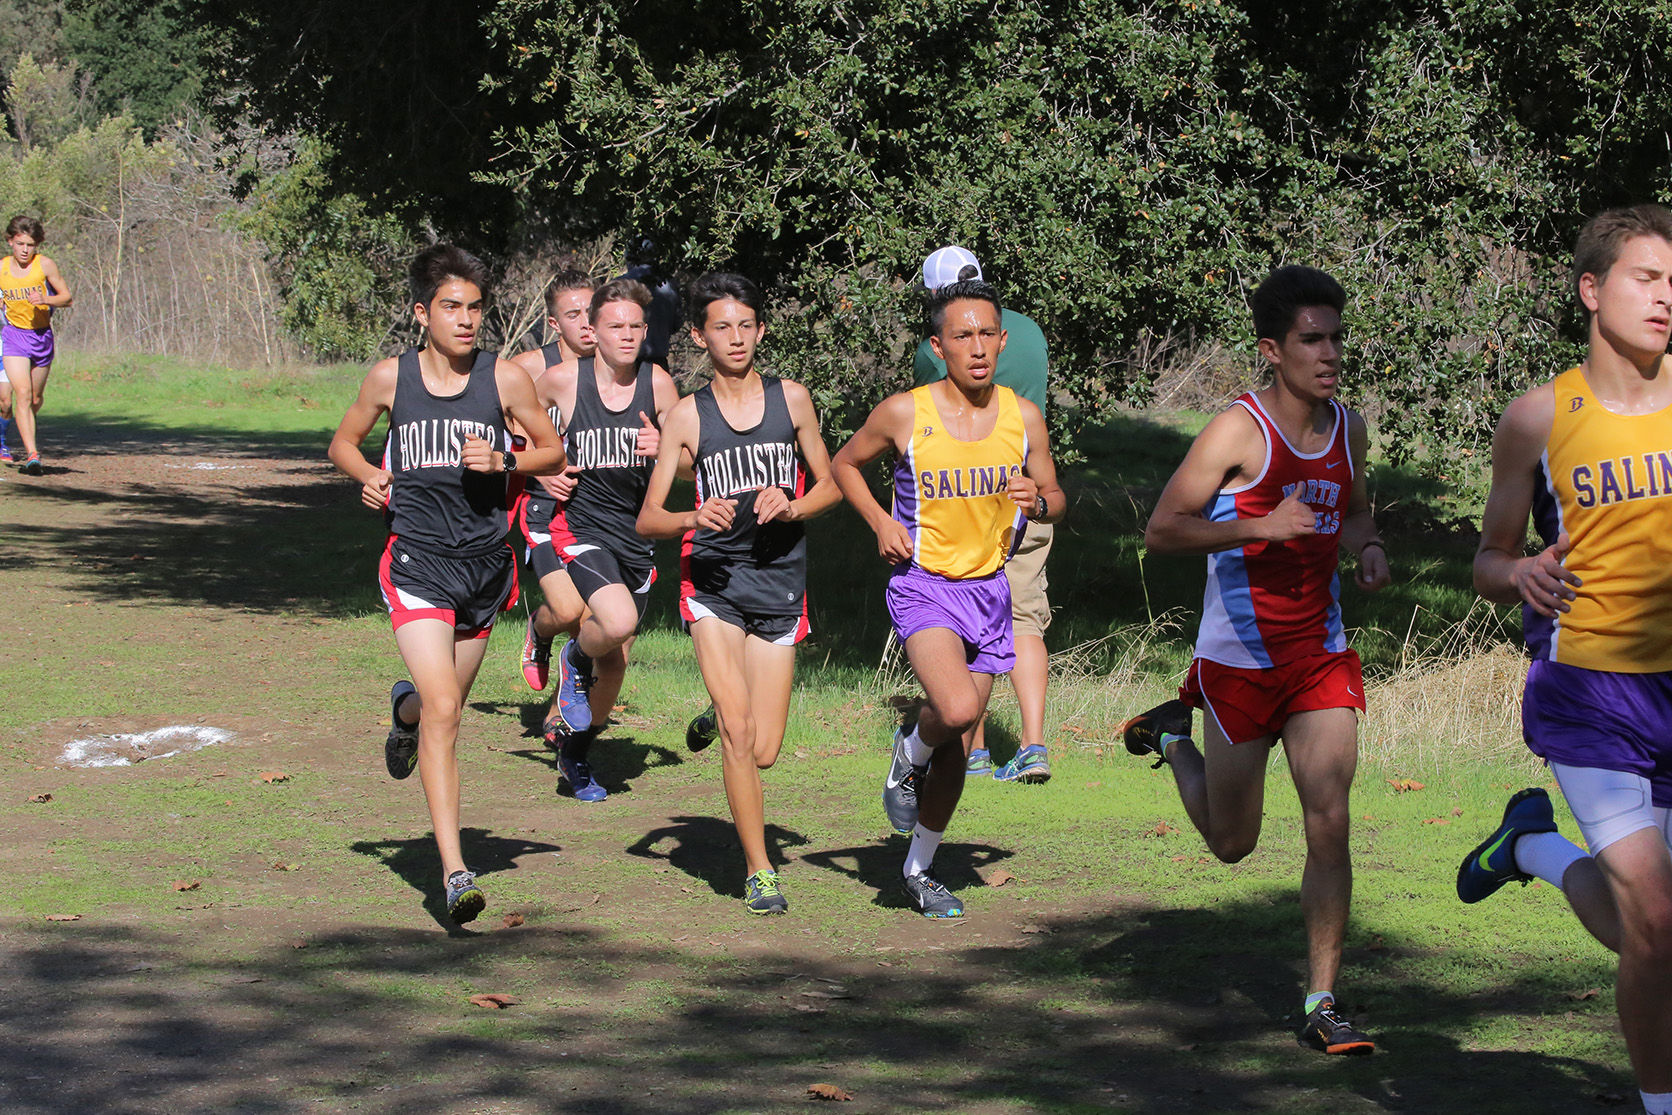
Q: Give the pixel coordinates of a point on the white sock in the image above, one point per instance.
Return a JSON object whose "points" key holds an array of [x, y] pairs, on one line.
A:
{"points": [[1546, 855], [922, 851], [918, 752], [1657, 1103]]}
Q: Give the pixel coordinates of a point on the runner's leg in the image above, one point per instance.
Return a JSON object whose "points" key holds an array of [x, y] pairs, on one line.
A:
{"points": [[1322, 749], [20, 380], [956, 701]]}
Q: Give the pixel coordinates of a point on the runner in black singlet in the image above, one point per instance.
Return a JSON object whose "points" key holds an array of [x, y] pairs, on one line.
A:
{"points": [[744, 561], [446, 570]]}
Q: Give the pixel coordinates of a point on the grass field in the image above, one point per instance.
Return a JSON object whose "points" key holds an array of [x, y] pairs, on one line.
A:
{"points": [[249, 942]]}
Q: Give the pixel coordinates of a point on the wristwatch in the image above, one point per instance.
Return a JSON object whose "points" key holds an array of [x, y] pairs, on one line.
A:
{"points": [[509, 462], [1040, 507]]}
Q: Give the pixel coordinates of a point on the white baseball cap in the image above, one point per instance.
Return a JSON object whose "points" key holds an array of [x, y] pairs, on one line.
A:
{"points": [[944, 264]]}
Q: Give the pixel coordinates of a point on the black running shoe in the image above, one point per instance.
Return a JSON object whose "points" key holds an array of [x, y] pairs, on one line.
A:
{"points": [[702, 731], [400, 750], [1326, 1031], [1143, 732]]}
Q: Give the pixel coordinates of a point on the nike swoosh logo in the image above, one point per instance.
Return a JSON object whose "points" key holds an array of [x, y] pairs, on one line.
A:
{"points": [[1487, 852], [1332, 464]]}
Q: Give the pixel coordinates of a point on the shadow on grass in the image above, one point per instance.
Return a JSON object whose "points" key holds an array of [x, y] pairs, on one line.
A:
{"points": [[706, 849], [1089, 1013], [418, 863], [877, 865]]}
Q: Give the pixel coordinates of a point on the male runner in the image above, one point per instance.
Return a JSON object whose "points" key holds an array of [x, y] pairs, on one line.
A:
{"points": [[1589, 456], [1272, 490], [568, 324], [1022, 367], [974, 465], [743, 591], [610, 405], [446, 570], [569, 321]]}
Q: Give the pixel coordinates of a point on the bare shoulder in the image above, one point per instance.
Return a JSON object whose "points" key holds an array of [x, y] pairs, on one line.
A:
{"points": [[1531, 414], [681, 418]]}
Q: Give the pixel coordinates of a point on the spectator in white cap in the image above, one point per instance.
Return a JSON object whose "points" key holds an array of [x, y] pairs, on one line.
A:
{"points": [[1022, 367]]}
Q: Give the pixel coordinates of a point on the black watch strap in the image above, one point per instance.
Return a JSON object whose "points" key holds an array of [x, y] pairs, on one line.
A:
{"points": [[1040, 507], [509, 461]]}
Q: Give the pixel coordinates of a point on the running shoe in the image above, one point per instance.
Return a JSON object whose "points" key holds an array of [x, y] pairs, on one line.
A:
{"points": [[400, 750], [702, 731], [760, 894], [1326, 1031], [899, 789], [574, 680], [979, 762], [931, 897], [464, 898], [537, 658], [5, 451], [33, 465], [572, 765], [1143, 732], [1029, 765], [1492, 863]]}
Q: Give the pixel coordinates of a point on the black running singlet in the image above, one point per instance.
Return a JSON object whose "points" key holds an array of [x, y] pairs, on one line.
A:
{"points": [[604, 507], [760, 568], [434, 501]]}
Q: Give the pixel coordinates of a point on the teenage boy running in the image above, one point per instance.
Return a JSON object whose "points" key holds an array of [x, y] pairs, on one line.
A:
{"points": [[1589, 457], [1272, 490], [594, 568], [973, 465], [743, 590], [568, 324], [446, 570]]}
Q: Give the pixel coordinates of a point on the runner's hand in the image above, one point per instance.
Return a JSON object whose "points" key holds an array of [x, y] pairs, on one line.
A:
{"points": [[1022, 492], [772, 503], [1373, 572], [1291, 519], [563, 484], [477, 455], [1544, 582], [650, 438], [716, 513], [374, 493], [894, 543]]}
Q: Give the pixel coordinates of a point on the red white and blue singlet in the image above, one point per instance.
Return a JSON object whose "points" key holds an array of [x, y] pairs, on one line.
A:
{"points": [[1270, 603]]}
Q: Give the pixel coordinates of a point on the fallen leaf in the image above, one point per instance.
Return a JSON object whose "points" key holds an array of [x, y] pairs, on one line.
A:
{"points": [[274, 776], [1377, 945], [1581, 996], [187, 884], [1457, 812], [493, 1001], [63, 917], [512, 920], [827, 1092], [1161, 829], [1034, 929], [995, 876], [298, 944], [1436, 820], [39, 799], [1404, 785], [281, 866], [800, 754]]}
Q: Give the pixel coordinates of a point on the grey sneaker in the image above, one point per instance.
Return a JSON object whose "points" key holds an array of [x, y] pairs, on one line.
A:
{"points": [[899, 790], [464, 898], [761, 896], [400, 750], [931, 898]]}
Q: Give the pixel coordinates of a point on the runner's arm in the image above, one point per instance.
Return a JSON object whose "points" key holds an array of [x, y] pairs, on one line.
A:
{"points": [[823, 494], [679, 439], [59, 297], [888, 427], [377, 393], [1503, 572], [1230, 447], [1358, 527], [1038, 478], [544, 455]]}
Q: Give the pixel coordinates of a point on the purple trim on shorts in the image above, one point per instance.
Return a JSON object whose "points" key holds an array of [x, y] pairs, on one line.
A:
{"points": [[36, 344], [1601, 719], [977, 610]]}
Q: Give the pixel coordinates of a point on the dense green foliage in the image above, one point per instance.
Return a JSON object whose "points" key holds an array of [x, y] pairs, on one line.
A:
{"points": [[1126, 171]]}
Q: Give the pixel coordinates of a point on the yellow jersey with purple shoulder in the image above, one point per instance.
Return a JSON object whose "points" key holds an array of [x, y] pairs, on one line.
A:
{"points": [[1606, 479], [15, 289], [952, 496]]}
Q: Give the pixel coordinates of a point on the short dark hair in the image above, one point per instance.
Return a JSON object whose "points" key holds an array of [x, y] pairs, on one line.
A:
{"points": [[716, 286], [1286, 292], [27, 225], [439, 263], [952, 292], [1606, 233], [618, 290], [565, 281]]}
